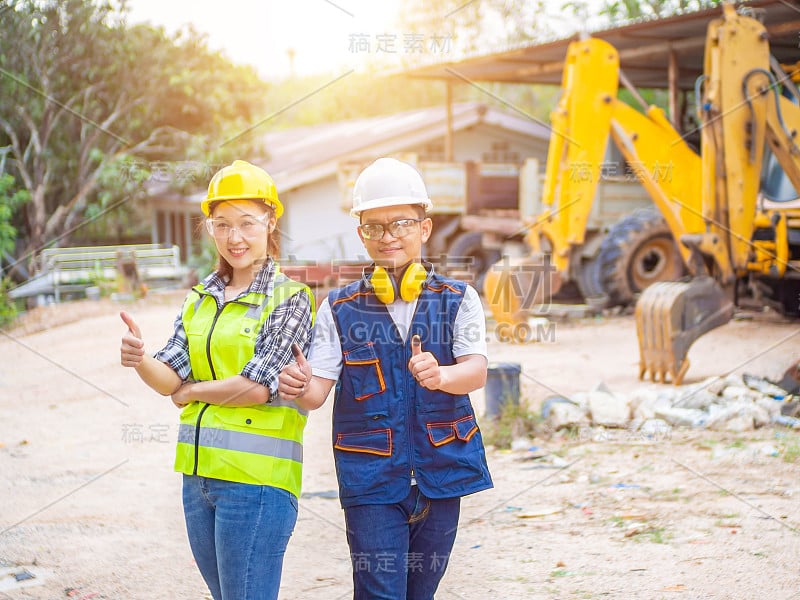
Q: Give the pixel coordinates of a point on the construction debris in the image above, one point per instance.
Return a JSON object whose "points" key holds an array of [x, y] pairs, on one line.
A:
{"points": [[731, 403]]}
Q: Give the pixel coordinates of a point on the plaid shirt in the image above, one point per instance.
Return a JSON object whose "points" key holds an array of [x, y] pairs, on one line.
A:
{"points": [[288, 323]]}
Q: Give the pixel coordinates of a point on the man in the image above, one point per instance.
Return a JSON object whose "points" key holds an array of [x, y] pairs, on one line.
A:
{"points": [[405, 346]]}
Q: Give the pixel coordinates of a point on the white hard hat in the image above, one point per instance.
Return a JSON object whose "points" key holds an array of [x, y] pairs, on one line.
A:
{"points": [[388, 182]]}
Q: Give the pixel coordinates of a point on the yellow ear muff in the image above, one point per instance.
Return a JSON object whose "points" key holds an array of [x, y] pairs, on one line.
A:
{"points": [[410, 286], [382, 285], [412, 282]]}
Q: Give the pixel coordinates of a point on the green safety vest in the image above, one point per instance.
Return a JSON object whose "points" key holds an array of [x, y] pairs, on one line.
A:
{"points": [[261, 445]]}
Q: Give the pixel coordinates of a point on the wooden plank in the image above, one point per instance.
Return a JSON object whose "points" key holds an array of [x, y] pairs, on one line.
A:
{"points": [[672, 81]]}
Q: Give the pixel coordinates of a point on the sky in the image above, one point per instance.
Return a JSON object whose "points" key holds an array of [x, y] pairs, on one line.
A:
{"points": [[325, 36]]}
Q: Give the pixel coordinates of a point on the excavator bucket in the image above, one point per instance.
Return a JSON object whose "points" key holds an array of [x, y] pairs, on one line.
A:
{"points": [[670, 316], [514, 288]]}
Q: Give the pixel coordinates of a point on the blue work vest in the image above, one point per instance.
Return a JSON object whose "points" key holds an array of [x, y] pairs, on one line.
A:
{"points": [[385, 425]]}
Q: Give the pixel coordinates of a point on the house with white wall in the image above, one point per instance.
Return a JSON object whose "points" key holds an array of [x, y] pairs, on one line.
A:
{"points": [[305, 164]]}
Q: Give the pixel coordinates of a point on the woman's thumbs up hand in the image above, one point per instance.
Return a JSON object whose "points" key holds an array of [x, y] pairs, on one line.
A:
{"points": [[295, 376], [132, 350]]}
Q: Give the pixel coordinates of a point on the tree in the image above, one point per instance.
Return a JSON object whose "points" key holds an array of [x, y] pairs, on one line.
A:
{"points": [[480, 27], [476, 27], [80, 90], [11, 199], [619, 11]]}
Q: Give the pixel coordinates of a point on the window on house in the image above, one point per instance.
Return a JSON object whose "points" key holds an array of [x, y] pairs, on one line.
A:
{"points": [[500, 153]]}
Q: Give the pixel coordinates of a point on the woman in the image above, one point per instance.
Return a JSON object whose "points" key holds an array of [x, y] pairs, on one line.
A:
{"points": [[239, 444]]}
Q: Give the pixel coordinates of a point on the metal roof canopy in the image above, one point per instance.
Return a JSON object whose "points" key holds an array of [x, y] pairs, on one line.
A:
{"points": [[645, 50]]}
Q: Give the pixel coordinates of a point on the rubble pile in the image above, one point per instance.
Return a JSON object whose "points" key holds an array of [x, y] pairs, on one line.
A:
{"points": [[730, 403]]}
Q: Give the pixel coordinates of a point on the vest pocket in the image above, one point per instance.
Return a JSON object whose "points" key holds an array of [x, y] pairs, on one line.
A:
{"points": [[249, 328], [445, 432], [435, 401], [363, 461], [189, 413], [242, 418], [364, 371], [378, 442]]}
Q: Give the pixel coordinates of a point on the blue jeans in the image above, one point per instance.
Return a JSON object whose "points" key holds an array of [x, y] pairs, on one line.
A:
{"points": [[401, 550], [238, 534]]}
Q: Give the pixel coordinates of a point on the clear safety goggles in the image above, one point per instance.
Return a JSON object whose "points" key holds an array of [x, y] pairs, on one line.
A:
{"points": [[247, 227], [397, 229]]}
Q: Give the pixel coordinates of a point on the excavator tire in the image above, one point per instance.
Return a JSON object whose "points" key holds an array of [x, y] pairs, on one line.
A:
{"points": [[638, 250], [468, 246], [590, 284]]}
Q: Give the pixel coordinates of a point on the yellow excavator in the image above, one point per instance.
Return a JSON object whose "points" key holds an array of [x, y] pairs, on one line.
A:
{"points": [[744, 235], [736, 241], [637, 251]]}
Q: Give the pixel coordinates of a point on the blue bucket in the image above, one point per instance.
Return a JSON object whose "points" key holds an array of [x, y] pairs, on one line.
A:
{"points": [[502, 387]]}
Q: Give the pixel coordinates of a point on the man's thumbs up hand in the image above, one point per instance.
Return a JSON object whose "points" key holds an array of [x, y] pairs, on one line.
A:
{"points": [[424, 366], [416, 345], [132, 349], [295, 376]]}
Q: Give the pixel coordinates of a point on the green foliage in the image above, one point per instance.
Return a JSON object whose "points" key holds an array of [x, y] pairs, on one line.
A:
{"points": [[658, 98], [82, 92], [364, 95], [115, 216], [90, 104], [474, 29], [663, 8], [791, 448], [8, 310], [618, 12], [10, 200], [476, 26], [357, 95], [203, 263], [655, 535], [514, 421]]}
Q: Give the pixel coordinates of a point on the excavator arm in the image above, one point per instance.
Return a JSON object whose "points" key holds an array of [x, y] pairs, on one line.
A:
{"points": [[588, 112], [581, 123], [741, 111]]}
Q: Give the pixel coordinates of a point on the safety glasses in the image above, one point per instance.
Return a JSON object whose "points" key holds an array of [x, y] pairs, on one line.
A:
{"points": [[248, 227], [397, 229]]}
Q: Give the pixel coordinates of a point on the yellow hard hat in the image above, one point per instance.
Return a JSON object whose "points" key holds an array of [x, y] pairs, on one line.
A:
{"points": [[242, 181]]}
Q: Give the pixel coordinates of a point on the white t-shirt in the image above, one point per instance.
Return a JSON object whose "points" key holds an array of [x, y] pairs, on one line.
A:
{"points": [[469, 332]]}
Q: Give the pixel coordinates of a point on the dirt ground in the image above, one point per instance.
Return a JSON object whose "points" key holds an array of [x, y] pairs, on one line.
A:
{"points": [[90, 506]]}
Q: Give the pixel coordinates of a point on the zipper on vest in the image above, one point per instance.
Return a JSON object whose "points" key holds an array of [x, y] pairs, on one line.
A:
{"points": [[197, 438], [410, 405], [208, 340], [213, 377]]}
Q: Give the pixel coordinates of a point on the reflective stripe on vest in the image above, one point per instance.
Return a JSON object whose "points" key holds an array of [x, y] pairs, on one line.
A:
{"points": [[244, 442], [260, 445]]}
